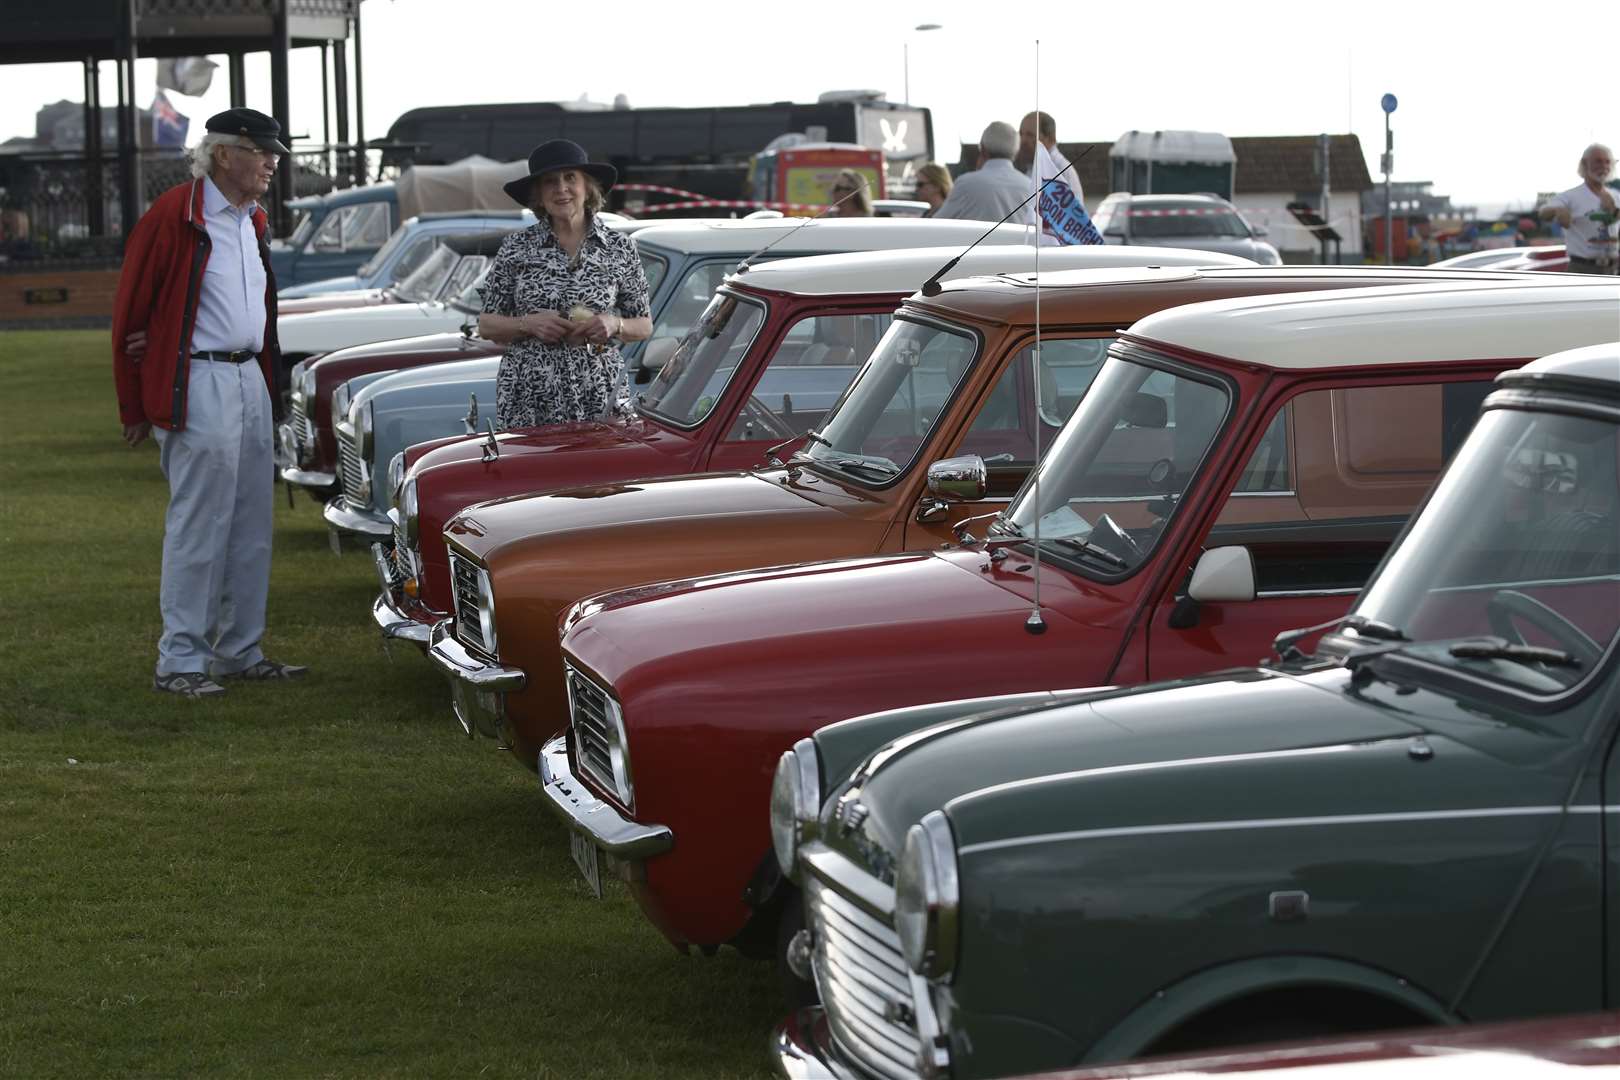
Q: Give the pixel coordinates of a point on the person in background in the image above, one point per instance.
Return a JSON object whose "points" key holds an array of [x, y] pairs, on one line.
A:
{"points": [[933, 186], [562, 295], [196, 364], [850, 195], [1040, 128], [995, 188], [1587, 213]]}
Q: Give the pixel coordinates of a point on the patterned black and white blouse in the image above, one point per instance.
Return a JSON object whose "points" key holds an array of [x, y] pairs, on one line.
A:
{"points": [[552, 384]]}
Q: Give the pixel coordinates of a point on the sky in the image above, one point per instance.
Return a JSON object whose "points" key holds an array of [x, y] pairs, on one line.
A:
{"points": [[1492, 108]]}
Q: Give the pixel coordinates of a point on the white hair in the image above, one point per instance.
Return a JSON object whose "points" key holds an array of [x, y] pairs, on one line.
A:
{"points": [[1587, 153], [1000, 140], [202, 155]]}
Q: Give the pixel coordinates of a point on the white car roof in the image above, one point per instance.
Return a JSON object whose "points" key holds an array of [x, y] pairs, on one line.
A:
{"points": [[1600, 362], [744, 236], [905, 270], [1458, 320]]}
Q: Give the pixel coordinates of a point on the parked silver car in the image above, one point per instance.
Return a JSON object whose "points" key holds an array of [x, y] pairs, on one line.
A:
{"points": [[1204, 222]]}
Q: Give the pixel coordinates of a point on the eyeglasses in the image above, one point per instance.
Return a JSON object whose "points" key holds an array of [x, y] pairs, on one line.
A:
{"points": [[256, 151]]}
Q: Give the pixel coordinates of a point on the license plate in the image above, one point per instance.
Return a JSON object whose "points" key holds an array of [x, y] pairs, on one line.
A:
{"points": [[584, 853]]}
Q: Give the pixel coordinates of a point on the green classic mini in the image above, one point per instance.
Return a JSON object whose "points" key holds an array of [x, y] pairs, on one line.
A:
{"points": [[1416, 824]]}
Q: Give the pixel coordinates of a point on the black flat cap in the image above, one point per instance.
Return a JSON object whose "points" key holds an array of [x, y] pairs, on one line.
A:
{"points": [[250, 124]]}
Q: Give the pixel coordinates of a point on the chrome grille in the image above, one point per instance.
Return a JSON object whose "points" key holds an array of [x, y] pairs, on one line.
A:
{"points": [[401, 559], [588, 705], [464, 584], [303, 431], [351, 467], [864, 982]]}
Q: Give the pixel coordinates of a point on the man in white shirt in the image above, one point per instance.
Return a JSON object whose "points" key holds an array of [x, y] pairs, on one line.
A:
{"points": [[1587, 213], [1039, 129], [995, 188]]}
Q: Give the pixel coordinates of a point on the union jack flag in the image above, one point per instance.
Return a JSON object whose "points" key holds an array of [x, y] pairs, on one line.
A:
{"points": [[169, 126]]}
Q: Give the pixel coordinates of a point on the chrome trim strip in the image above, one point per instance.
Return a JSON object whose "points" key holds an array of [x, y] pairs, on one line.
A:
{"points": [[1272, 594], [1267, 823], [456, 662], [345, 517], [845, 877], [597, 819], [396, 625], [308, 478]]}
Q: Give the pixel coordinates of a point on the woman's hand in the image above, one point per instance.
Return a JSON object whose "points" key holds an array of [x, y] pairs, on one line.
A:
{"points": [[597, 330], [547, 326]]}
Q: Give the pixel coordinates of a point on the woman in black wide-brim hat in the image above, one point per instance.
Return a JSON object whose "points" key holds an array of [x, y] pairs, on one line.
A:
{"points": [[562, 295]]}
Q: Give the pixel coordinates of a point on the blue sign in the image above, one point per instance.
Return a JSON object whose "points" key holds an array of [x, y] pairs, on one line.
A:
{"points": [[1388, 102]]}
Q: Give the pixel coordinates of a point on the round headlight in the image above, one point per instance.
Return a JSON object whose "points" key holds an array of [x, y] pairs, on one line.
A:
{"points": [[396, 476], [795, 803], [926, 898]]}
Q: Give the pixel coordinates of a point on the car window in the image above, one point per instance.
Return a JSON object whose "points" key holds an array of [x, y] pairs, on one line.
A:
{"points": [[877, 429], [1335, 476], [690, 383], [689, 299], [369, 227], [654, 267], [1003, 432], [1116, 473], [1186, 219], [423, 280], [1520, 543], [810, 370]]}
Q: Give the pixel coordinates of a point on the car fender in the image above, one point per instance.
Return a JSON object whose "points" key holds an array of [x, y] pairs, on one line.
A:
{"points": [[1177, 1003]]}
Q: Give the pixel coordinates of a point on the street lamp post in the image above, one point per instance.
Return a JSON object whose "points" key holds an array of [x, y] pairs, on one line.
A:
{"points": [[905, 57], [1388, 162]]}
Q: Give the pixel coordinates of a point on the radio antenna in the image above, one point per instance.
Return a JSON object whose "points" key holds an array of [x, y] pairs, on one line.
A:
{"points": [[931, 286], [742, 267], [1035, 624]]}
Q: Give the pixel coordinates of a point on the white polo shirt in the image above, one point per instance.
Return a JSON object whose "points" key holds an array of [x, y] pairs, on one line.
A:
{"points": [[230, 305]]}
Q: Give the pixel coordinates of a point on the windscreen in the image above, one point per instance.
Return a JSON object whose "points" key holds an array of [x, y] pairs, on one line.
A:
{"points": [[1116, 473], [877, 430], [1185, 219], [1519, 545], [691, 381], [424, 282]]}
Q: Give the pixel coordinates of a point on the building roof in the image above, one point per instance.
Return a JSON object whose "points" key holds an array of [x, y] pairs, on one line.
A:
{"points": [[1265, 163]]}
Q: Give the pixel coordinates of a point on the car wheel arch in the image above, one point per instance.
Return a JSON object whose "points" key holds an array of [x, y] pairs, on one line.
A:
{"points": [[1170, 1018]]}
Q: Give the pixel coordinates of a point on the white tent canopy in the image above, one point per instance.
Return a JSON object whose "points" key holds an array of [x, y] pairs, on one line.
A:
{"points": [[1202, 147], [473, 183]]}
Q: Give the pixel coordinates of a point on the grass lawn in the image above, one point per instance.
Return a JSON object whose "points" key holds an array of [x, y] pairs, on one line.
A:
{"points": [[317, 879]]}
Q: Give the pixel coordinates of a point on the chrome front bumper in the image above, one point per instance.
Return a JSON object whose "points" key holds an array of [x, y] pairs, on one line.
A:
{"points": [[477, 687], [599, 822], [309, 478], [802, 1048], [396, 625], [345, 517]]}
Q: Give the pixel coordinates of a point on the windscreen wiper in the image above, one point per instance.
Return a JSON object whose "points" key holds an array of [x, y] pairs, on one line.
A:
{"points": [[813, 436], [856, 464], [1087, 547], [1373, 628], [1496, 649]]}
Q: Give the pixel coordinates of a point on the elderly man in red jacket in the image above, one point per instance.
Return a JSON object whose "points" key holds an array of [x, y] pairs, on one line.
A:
{"points": [[195, 360]]}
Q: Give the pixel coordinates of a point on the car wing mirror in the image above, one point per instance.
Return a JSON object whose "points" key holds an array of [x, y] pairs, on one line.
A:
{"points": [[658, 352], [953, 480], [1223, 575], [959, 479]]}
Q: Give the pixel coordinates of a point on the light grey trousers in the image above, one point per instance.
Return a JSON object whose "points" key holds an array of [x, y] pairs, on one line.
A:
{"points": [[216, 536]]}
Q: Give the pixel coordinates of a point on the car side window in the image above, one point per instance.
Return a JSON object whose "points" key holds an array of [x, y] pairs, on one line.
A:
{"points": [[1335, 476], [368, 228], [1003, 433], [812, 367]]}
